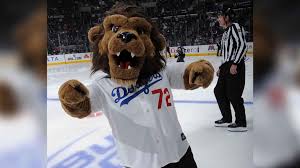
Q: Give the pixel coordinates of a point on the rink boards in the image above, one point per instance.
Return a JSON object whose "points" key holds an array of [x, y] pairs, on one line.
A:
{"points": [[197, 50]]}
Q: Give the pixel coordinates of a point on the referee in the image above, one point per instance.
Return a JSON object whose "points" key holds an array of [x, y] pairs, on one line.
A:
{"points": [[231, 73]]}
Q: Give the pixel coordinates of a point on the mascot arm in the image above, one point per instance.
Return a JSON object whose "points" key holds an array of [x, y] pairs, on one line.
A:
{"points": [[175, 74], [198, 74], [77, 99]]}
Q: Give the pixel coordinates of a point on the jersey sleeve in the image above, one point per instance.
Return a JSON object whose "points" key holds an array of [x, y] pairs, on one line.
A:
{"points": [[175, 74], [96, 97]]}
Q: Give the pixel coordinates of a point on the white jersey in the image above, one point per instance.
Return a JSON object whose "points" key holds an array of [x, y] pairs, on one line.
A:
{"points": [[143, 118]]}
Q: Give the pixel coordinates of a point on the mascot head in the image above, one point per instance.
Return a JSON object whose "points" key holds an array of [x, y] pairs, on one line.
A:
{"points": [[127, 45]]}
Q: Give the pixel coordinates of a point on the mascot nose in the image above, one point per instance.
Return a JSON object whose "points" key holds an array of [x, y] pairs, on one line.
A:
{"points": [[126, 36]]}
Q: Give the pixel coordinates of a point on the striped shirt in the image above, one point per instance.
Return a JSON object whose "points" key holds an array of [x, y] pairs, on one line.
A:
{"points": [[233, 44]]}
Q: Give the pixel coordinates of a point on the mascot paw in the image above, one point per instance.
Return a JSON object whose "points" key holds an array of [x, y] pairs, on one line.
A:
{"points": [[198, 74], [8, 100], [73, 96]]}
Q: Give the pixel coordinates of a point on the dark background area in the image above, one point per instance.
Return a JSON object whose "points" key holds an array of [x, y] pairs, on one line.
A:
{"points": [[182, 22], [13, 12]]}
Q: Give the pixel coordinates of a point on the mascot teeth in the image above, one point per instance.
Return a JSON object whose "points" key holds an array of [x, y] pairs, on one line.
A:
{"points": [[132, 55], [125, 59]]}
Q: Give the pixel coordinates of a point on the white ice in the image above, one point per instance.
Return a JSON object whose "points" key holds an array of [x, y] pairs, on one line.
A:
{"points": [[74, 142]]}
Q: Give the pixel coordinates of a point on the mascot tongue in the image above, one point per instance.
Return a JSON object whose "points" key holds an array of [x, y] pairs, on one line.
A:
{"points": [[124, 65]]}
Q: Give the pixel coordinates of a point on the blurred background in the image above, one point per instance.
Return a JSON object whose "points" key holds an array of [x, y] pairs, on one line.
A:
{"points": [[23, 47], [276, 83]]}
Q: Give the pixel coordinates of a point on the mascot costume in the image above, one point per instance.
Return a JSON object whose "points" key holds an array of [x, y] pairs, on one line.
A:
{"points": [[135, 95]]}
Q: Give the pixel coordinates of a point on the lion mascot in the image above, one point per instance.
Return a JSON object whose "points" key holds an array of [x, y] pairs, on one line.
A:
{"points": [[135, 94]]}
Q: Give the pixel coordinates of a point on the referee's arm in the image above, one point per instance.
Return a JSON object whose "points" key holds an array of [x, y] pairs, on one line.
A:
{"points": [[241, 46]]}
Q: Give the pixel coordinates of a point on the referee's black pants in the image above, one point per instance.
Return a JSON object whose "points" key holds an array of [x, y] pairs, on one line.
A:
{"points": [[229, 89]]}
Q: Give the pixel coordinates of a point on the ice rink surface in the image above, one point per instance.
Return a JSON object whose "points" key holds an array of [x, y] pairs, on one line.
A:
{"points": [[79, 143]]}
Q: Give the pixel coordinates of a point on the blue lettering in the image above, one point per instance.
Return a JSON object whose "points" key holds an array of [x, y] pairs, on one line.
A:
{"points": [[87, 157], [107, 161], [121, 93], [79, 159], [131, 89], [101, 150]]}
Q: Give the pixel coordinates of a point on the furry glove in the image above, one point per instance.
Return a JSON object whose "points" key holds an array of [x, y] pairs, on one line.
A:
{"points": [[198, 74], [8, 100], [74, 99]]}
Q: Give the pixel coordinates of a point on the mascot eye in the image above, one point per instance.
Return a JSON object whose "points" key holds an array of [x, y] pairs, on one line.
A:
{"points": [[114, 28], [140, 30]]}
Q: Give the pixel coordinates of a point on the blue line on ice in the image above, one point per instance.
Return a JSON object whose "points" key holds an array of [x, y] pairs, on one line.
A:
{"points": [[182, 101]]}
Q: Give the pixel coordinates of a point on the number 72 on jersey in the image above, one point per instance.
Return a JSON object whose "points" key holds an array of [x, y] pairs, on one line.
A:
{"points": [[162, 93]]}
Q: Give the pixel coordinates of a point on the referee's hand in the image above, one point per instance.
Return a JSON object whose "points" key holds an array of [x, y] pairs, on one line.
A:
{"points": [[233, 69]]}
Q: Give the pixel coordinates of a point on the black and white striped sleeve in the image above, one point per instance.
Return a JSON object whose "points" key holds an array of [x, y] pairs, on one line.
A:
{"points": [[241, 47]]}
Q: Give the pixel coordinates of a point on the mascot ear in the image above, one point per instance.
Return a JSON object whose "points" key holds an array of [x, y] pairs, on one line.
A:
{"points": [[94, 33], [159, 41]]}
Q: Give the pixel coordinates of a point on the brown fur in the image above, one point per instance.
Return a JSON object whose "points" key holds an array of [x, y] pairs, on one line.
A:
{"points": [[198, 74], [105, 44], [8, 100], [73, 96]]}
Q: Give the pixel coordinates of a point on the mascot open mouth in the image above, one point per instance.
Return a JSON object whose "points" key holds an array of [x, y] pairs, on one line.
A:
{"points": [[126, 60], [125, 66]]}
